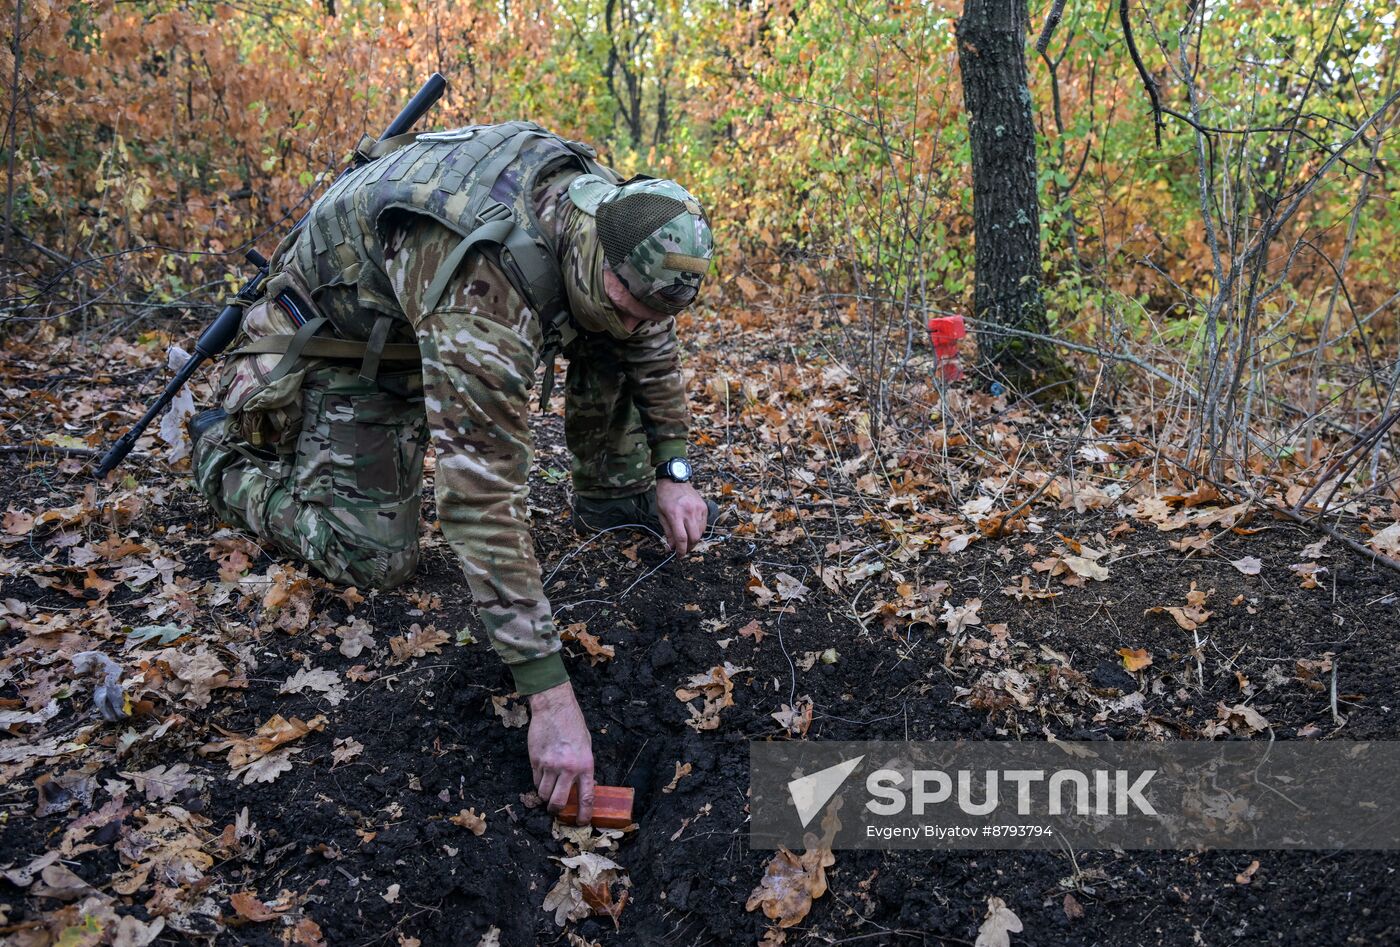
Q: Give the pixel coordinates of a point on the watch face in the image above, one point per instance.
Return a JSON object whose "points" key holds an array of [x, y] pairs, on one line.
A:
{"points": [[678, 469]]}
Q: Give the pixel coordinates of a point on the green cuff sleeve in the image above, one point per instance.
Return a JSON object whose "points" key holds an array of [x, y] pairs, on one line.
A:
{"points": [[539, 674], [663, 451]]}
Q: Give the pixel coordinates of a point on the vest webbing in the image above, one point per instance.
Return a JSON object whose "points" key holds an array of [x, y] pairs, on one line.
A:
{"points": [[448, 177]]}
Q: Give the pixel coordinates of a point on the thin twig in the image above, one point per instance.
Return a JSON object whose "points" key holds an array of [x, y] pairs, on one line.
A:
{"points": [[1148, 82]]}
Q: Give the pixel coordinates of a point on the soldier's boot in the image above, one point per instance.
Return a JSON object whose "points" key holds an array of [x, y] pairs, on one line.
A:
{"points": [[597, 514]]}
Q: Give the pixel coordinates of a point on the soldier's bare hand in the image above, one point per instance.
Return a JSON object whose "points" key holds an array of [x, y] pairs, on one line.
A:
{"points": [[683, 514], [561, 750]]}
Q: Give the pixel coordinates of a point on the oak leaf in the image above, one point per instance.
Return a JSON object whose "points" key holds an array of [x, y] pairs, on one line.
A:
{"points": [[597, 651], [716, 687], [321, 680], [419, 642], [512, 715], [998, 926], [1135, 659], [792, 882], [251, 908], [585, 887], [346, 749], [1248, 565], [276, 732]]}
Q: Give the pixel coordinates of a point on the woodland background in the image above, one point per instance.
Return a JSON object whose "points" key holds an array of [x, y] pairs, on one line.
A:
{"points": [[153, 142], [1198, 540]]}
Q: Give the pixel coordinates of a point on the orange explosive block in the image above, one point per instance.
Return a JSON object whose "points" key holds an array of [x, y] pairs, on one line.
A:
{"points": [[612, 807]]}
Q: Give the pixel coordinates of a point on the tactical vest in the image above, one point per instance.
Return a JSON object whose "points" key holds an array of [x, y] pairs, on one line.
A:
{"points": [[477, 181]]}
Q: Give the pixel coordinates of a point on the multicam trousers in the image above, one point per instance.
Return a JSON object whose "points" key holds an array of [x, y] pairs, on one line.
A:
{"points": [[602, 426], [347, 500]]}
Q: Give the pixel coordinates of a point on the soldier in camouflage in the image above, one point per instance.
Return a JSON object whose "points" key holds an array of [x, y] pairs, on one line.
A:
{"points": [[413, 305]]}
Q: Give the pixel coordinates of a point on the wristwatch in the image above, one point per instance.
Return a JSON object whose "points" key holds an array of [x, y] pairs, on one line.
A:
{"points": [[677, 469]]}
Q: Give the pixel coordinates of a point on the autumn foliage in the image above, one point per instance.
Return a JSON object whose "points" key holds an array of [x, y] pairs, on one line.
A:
{"points": [[155, 139]]}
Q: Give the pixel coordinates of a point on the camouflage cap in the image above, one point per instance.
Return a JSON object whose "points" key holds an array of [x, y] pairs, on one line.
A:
{"points": [[655, 237]]}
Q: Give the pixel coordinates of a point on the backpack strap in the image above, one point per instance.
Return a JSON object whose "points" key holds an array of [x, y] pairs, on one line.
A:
{"points": [[493, 227], [369, 148], [374, 349], [295, 347]]}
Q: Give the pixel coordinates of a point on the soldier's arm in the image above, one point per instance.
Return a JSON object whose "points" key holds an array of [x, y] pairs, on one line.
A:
{"points": [[479, 347], [652, 360]]}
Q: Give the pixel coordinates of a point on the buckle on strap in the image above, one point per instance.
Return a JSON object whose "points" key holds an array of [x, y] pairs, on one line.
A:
{"points": [[494, 211]]}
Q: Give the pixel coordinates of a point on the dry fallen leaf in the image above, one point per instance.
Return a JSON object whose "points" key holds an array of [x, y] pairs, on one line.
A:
{"points": [[272, 734], [682, 771], [1314, 550], [998, 926], [512, 715], [1245, 714], [265, 769], [1027, 591], [716, 686], [1189, 616], [470, 820], [1086, 568], [1248, 565], [585, 888], [1246, 876], [796, 720], [1135, 659], [251, 908], [959, 619], [792, 882], [60, 882], [355, 637], [754, 630], [133, 932], [419, 642], [161, 784], [346, 749], [24, 877], [1386, 542], [307, 933], [1308, 573], [321, 680], [597, 651]]}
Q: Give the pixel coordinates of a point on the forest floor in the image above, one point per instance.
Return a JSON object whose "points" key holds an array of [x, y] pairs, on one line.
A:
{"points": [[390, 734]]}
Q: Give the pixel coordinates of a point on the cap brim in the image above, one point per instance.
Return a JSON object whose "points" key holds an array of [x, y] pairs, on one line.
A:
{"points": [[587, 191]]}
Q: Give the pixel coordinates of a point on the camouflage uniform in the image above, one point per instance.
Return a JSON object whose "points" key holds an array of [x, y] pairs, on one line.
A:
{"points": [[343, 494]]}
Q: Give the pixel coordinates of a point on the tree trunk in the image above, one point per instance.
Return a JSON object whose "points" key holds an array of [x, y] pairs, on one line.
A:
{"points": [[1005, 209]]}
